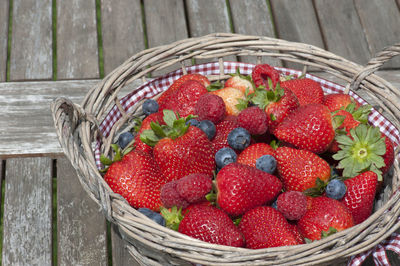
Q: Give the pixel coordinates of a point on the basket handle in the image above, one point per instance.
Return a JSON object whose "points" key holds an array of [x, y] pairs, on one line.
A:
{"points": [[374, 64], [68, 117]]}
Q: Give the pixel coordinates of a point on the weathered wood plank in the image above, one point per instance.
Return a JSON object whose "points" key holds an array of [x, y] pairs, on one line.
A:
{"points": [[77, 50], [381, 23], [122, 31], [342, 29], [296, 21], [4, 7], [31, 41], [27, 212], [165, 24], [208, 16], [80, 224], [260, 24], [121, 255]]}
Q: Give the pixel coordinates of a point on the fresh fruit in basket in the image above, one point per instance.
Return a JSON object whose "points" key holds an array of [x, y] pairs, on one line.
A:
{"points": [[306, 90], [206, 161]]}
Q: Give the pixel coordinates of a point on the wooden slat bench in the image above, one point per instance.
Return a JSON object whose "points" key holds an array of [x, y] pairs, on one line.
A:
{"points": [[51, 48]]}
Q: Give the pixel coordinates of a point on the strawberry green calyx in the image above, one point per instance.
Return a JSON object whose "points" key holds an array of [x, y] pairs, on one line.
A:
{"points": [[215, 86], [330, 231], [262, 97], [317, 190], [173, 217], [118, 154], [362, 151], [175, 127], [360, 114], [245, 77], [244, 103]]}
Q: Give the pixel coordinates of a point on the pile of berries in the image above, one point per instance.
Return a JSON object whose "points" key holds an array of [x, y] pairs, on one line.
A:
{"points": [[256, 161]]}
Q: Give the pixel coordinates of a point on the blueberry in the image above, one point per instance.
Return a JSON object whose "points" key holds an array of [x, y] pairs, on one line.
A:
{"points": [[155, 216], [336, 189], [150, 106], [225, 156], [208, 127], [124, 139], [275, 204], [239, 138], [266, 163], [193, 122]]}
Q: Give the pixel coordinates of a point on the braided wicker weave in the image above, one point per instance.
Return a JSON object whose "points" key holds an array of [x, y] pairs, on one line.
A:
{"points": [[78, 129]]}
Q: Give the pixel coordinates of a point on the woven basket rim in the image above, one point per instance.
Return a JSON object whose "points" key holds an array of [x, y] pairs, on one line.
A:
{"points": [[77, 127]]}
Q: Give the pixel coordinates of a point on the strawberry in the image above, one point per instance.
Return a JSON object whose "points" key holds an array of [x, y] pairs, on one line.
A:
{"points": [[300, 169], [363, 150], [250, 155], [262, 73], [139, 144], [265, 227], [277, 103], [241, 82], [164, 98], [185, 97], [221, 136], [296, 232], [179, 149], [241, 188], [137, 178], [254, 119], [232, 98], [325, 217], [211, 225], [338, 101], [210, 107], [310, 128], [360, 195], [306, 90]]}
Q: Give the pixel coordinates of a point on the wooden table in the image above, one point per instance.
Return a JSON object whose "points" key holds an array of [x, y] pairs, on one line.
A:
{"points": [[52, 48]]}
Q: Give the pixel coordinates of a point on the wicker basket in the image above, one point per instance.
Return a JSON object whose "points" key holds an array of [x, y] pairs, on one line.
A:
{"points": [[78, 129]]}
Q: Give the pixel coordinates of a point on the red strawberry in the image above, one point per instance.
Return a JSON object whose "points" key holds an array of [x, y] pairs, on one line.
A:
{"points": [[388, 157], [184, 100], [265, 227], [250, 155], [211, 225], [164, 98], [325, 217], [360, 195], [254, 119], [277, 103], [210, 107], [180, 149], [338, 101], [309, 128], [221, 136], [296, 232], [136, 178], [306, 90], [241, 82], [300, 169], [139, 144], [261, 73], [241, 188]]}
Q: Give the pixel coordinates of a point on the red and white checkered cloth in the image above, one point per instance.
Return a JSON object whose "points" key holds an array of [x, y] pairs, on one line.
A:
{"points": [[161, 84]]}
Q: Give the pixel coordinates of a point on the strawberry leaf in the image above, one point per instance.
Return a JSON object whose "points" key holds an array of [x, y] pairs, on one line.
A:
{"points": [[317, 190], [215, 86], [105, 160], [172, 217], [169, 117], [330, 231]]}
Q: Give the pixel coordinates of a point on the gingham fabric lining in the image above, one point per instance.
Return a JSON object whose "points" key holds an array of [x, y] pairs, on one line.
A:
{"points": [[162, 83]]}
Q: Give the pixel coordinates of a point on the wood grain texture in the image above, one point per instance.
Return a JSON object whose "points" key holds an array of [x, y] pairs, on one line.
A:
{"points": [[77, 50], [122, 31], [27, 212], [208, 16], [381, 24], [80, 224], [26, 124], [31, 41], [121, 255], [342, 29], [260, 24], [165, 24], [4, 7]]}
